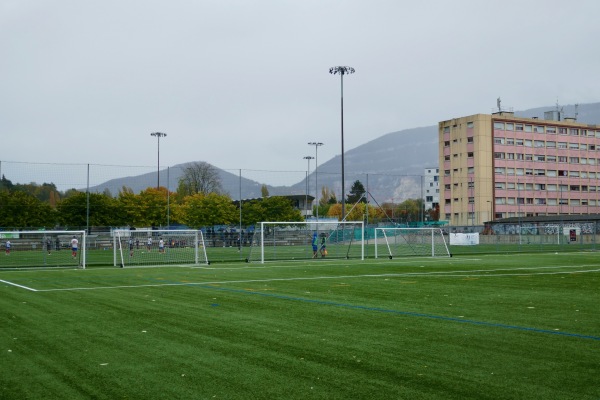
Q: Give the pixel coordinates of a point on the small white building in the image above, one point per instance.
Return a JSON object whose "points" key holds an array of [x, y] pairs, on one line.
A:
{"points": [[431, 188]]}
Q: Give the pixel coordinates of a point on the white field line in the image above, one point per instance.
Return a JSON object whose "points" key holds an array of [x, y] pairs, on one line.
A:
{"points": [[17, 285], [442, 274]]}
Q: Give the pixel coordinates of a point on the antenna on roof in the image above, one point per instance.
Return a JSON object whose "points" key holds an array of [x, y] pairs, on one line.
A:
{"points": [[498, 102], [576, 112]]}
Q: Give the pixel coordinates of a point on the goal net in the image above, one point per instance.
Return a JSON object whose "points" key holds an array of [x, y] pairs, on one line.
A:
{"points": [[407, 242], [274, 241], [158, 247], [25, 249]]}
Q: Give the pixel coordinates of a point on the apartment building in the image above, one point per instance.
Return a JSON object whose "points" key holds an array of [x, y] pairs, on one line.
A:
{"points": [[500, 166]]}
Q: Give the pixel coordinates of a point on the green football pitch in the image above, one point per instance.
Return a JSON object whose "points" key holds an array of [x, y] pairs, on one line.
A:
{"points": [[523, 326]]}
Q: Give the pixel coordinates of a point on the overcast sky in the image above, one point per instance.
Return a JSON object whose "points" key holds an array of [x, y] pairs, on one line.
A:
{"points": [[246, 84]]}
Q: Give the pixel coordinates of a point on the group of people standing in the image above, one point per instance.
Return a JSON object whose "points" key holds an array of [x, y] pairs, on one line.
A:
{"points": [[161, 245], [48, 244]]}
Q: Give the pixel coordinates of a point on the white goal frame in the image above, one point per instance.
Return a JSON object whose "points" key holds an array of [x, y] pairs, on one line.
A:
{"points": [[121, 246], [321, 227], [81, 249], [435, 235]]}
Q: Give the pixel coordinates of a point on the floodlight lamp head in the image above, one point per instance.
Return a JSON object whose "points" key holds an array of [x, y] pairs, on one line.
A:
{"points": [[158, 134], [342, 70]]}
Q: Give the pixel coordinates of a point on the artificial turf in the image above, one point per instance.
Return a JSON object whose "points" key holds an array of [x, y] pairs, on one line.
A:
{"points": [[466, 327]]}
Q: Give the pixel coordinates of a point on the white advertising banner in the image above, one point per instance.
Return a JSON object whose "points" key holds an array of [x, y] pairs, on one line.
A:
{"points": [[464, 239]]}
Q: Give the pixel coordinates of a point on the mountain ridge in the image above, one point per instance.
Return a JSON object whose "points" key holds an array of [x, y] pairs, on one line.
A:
{"points": [[389, 166]]}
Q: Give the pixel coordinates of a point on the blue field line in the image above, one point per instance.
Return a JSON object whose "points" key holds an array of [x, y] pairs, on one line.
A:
{"points": [[407, 313]]}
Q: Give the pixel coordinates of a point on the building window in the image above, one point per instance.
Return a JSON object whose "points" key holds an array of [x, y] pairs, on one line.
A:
{"points": [[446, 129], [500, 171], [551, 130], [470, 124], [470, 154], [528, 128], [499, 140], [499, 126], [510, 126], [538, 143], [574, 132], [562, 131], [539, 129], [499, 156], [447, 143], [470, 139], [551, 145], [518, 127]]}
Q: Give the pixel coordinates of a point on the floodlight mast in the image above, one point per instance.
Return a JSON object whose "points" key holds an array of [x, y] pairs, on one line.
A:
{"points": [[316, 144], [307, 175], [158, 135], [342, 70]]}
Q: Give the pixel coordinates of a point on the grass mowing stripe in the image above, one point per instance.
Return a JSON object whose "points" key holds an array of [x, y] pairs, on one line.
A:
{"points": [[406, 313]]}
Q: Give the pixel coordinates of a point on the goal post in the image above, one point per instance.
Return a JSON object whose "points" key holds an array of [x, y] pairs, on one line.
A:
{"points": [[158, 247], [43, 249], [278, 241], [410, 242]]}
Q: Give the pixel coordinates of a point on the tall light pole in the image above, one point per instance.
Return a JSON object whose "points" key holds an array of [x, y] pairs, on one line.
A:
{"points": [[316, 144], [307, 175], [342, 70], [158, 136]]}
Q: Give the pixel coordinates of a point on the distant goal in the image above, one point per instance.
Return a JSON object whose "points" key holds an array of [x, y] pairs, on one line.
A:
{"points": [[42, 249], [278, 241], [410, 242], [158, 247]]}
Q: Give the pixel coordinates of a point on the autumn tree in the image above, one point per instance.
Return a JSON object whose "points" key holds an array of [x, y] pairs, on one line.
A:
{"points": [[209, 209], [264, 191], [21, 210], [73, 211], [274, 208]]}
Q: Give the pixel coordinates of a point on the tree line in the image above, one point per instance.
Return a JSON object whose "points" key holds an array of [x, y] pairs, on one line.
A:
{"points": [[199, 201]]}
